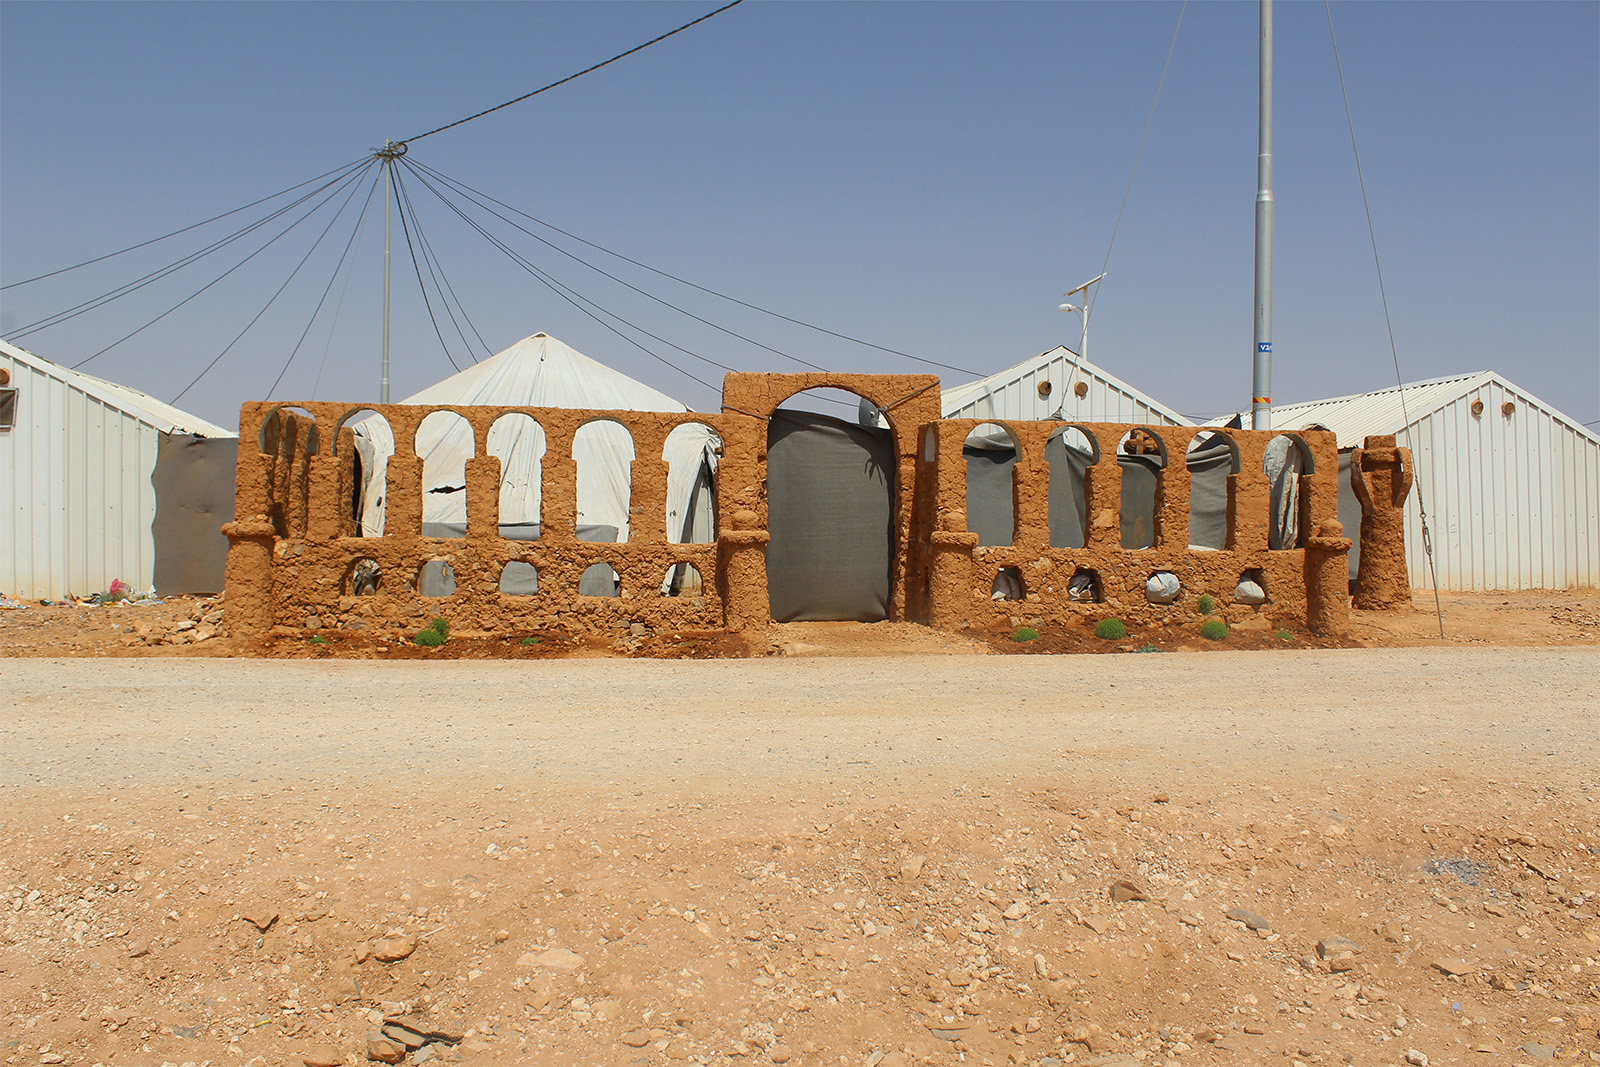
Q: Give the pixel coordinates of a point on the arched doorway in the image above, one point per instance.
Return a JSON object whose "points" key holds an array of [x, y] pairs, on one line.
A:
{"points": [[830, 509]]}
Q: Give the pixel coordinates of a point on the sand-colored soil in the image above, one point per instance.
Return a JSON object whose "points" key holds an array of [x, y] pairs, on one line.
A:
{"points": [[800, 858]]}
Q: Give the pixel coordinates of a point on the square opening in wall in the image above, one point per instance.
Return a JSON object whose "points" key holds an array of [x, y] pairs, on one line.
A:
{"points": [[8, 409]]}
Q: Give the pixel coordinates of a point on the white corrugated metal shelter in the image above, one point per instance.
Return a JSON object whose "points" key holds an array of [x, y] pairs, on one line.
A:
{"points": [[76, 461], [1047, 387], [1511, 485]]}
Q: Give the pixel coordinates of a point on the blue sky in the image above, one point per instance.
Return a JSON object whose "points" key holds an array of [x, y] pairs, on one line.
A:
{"points": [[929, 177]]}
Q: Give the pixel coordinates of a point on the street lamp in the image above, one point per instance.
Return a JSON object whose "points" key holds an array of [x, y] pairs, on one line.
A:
{"points": [[1082, 311]]}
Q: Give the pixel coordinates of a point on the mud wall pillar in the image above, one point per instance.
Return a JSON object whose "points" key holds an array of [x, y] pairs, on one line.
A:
{"points": [[1381, 475], [1328, 579]]}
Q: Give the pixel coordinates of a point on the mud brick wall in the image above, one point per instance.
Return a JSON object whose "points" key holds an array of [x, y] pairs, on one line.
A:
{"points": [[962, 574], [295, 545]]}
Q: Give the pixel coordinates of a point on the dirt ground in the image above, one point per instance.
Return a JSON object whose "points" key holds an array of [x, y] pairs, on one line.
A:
{"points": [[599, 857], [169, 628]]}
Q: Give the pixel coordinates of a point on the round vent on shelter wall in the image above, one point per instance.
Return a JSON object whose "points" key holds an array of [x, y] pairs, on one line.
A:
{"points": [[1044, 388], [1477, 409], [1081, 389], [1507, 408], [5, 377]]}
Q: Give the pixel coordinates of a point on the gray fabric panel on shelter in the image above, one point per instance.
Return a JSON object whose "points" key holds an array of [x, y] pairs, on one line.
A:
{"points": [[193, 480], [1069, 504], [1209, 465], [990, 500], [436, 578], [1349, 512], [1140, 476], [830, 514]]}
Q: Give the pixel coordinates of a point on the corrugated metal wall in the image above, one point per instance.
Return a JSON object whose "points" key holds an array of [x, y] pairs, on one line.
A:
{"points": [[75, 483], [1513, 500], [1019, 399]]}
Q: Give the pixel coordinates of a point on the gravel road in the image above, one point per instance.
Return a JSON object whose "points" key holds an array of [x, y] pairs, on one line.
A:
{"points": [[592, 723]]}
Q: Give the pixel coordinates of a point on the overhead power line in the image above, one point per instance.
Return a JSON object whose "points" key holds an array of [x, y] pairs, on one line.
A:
{"points": [[467, 189], [1139, 154], [355, 233], [354, 184], [574, 77], [339, 171], [156, 275], [352, 179], [1394, 351]]}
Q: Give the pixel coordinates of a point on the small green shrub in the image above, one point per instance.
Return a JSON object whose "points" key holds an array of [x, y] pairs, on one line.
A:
{"points": [[1025, 633], [1214, 629], [1111, 629], [1148, 647], [1283, 635], [429, 638], [318, 639], [440, 627], [528, 641], [1205, 603]]}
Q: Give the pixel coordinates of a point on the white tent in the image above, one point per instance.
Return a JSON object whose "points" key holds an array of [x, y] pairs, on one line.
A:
{"points": [[540, 371], [78, 458], [1511, 485]]}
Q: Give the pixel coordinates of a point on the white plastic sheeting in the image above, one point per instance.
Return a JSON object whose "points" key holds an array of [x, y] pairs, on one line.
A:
{"points": [[539, 371]]}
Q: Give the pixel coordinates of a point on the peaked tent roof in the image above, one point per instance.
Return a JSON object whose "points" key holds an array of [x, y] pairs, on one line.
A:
{"points": [[542, 372], [1353, 418], [147, 409], [1014, 394], [537, 371]]}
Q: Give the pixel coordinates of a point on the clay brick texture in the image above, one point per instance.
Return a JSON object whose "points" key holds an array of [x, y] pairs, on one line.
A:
{"points": [[297, 550]]}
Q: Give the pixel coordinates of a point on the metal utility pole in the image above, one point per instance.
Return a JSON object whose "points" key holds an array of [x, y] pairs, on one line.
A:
{"points": [[390, 152], [1261, 380]]}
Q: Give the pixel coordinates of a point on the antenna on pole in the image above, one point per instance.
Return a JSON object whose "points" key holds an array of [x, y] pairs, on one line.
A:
{"points": [[1261, 379], [391, 151]]}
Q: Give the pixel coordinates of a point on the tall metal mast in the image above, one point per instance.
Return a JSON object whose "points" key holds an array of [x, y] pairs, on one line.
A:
{"points": [[1261, 380], [390, 152]]}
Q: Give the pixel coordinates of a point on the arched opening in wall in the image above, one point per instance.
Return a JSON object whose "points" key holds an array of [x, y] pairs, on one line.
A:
{"points": [[364, 441], [436, 578], [991, 453], [1084, 587], [1142, 456], [830, 509], [691, 453], [1252, 588], [1008, 585], [362, 578], [519, 578], [1210, 458], [600, 579], [444, 442], [1286, 459], [285, 426], [603, 451], [1070, 452], [288, 437], [930, 445], [683, 579], [517, 440]]}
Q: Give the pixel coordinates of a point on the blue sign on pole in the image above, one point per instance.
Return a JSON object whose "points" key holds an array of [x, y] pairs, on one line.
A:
{"points": [[1263, 346]]}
